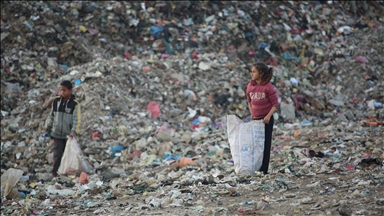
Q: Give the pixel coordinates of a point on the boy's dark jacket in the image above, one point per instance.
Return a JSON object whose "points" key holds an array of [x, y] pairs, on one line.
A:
{"points": [[64, 118]]}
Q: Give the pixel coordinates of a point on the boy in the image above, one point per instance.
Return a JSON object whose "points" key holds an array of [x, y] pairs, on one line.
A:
{"points": [[64, 120]]}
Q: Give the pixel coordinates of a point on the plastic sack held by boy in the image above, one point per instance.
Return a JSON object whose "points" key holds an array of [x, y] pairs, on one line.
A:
{"points": [[63, 121]]}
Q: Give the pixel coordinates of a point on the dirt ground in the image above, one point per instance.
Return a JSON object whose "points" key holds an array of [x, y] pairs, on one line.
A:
{"points": [[357, 191]]}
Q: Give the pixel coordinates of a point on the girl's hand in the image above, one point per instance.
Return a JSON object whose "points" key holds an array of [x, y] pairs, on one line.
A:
{"points": [[266, 119]]}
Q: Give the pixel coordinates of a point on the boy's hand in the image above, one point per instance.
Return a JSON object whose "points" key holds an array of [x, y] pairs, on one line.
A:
{"points": [[72, 135]]}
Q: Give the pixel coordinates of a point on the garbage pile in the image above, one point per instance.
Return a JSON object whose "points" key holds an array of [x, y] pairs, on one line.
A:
{"points": [[155, 82], [315, 55]]}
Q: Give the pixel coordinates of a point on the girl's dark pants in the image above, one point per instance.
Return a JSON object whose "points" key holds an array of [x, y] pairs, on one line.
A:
{"points": [[267, 145], [58, 151]]}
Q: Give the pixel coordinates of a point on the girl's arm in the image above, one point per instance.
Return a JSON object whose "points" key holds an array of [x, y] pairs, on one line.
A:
{"points": [[274, 101], [268, 117], [250, 109], [248, 100], [273, 110]]}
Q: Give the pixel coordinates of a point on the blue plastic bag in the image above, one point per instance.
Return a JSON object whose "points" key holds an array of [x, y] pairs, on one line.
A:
{"points": [[156, 31], [116, 149]]}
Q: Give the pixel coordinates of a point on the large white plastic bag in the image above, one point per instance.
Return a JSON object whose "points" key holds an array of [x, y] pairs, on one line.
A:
{"points": [[73, 161], [9, 179], [246, 140]]}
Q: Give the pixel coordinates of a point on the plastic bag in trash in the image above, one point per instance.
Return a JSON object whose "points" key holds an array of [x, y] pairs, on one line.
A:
{"points": [[83, 179], [154, 109], [9, 179], [156, 31]]}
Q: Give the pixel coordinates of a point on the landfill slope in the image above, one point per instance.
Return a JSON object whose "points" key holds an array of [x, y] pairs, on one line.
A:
{"points": [[155, 82]]}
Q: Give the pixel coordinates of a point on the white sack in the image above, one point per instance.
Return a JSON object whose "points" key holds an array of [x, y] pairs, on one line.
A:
{"points": [[246, 140], [73, 161]]}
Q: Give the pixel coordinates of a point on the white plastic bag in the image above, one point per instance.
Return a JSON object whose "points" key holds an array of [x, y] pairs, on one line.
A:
{"points": [[9, 179], [246, 140], [73, 161]]}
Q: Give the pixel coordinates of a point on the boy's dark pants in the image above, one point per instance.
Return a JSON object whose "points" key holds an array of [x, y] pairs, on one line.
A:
{"points": [[58, 151], [267, 145]]}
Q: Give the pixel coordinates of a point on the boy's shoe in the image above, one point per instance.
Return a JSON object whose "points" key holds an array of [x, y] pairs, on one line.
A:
{"points": [[54, 174]]}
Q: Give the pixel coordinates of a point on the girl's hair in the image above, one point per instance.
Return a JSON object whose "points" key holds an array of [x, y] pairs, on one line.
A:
{"points": [[67, 84], [265, 71]]}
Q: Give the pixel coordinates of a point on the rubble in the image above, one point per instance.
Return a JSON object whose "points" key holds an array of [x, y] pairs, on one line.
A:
{"points": [[155, 82]]}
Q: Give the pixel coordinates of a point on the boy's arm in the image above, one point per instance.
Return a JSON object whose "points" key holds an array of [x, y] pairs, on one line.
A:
{"points": [[76, 120], [51, 118]]}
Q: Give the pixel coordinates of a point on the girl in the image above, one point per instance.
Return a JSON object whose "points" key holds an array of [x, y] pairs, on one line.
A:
{"points": [[263, 102]]}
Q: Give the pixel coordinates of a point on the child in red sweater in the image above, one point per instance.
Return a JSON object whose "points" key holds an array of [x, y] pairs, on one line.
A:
{"points": [[263, 102]]}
